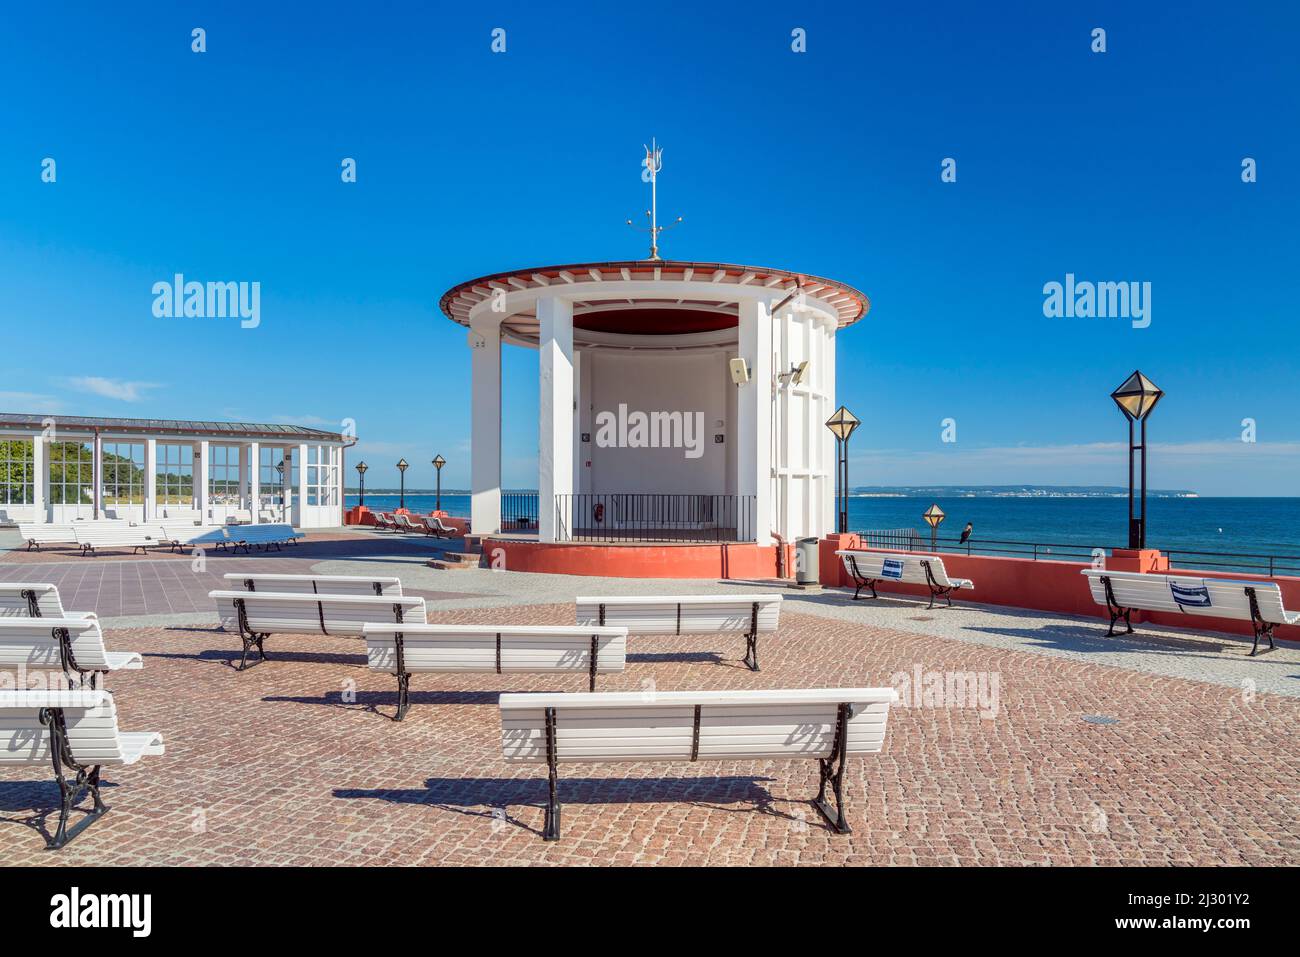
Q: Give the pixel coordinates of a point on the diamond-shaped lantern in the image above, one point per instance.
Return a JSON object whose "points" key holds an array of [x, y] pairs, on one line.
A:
{"points": [[842, 423], [402, 465], [1137, 396], [933, 516], [439, 462]]}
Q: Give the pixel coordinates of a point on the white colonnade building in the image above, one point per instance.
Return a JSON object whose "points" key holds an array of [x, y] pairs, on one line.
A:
{"points": [[58, 468], [678, 400]]}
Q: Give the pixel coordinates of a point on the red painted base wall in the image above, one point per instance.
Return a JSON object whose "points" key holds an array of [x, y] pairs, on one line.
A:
{"points": [[1051, 586], [636, 561]]}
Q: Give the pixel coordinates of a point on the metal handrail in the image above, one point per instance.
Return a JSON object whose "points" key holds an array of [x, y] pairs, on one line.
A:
{"points": [[1274, 563]]}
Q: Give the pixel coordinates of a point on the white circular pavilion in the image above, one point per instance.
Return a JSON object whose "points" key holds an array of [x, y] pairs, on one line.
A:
{"points": [[676, 396]]}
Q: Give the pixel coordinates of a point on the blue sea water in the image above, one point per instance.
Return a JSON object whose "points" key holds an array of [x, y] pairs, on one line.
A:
{"points": [[1237, 525]]}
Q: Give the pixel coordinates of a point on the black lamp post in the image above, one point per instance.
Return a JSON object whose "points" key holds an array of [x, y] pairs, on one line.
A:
{"points": [[1136, 398], [361, 471], [934, 517], [402, 466], [279, 467], [438, 463], [842, 424]]}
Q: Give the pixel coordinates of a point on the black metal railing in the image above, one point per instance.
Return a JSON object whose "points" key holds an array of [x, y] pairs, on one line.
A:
{"points": [[1256, 564], [912, 540], [519, 511], [902, 539], [653, 517]]}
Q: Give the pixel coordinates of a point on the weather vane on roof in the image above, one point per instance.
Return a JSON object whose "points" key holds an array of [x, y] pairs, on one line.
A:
{"points": [[650, 167]]}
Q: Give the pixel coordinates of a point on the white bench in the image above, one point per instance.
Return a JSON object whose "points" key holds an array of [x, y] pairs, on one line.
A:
{"points": [[74, 646], [34, 600], [92, 536], [826, 725], [263, 536], [239, 516], [179, 537], [37, 535], [182, 515], [404, 650], [318, 584], [77, 733], [258, 615], [687, 615], [1258, 602], [867, 568]]}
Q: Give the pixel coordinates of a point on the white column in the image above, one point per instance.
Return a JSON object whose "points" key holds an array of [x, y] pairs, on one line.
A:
{"points": [[97, 471], [150, 479], [341, 459], [300, 457], [485, 427], [40, 478], [243, 476], [576, 430], [555, 413], [201, 469], [754, 417], [825, 375], [255, 479]]}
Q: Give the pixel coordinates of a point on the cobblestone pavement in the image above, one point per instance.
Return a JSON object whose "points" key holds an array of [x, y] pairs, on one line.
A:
{"points": [[277, 766], [281, 765]]}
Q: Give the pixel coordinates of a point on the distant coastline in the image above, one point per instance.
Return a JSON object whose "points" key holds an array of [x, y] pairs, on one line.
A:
{"points": [[907, 491], [1008, 491]]}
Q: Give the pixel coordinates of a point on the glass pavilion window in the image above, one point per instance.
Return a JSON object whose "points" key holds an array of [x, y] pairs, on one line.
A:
{"points": [[322, 475], [17, 476], [123, 481], [223, 474], [175, 474], [72, 473]]}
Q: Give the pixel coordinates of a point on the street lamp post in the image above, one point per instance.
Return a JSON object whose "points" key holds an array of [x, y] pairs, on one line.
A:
{"points": [[361, 472], [934, 517], [279, 467], [402, 466], [1136, 398], [842, 424], [438, 463]]}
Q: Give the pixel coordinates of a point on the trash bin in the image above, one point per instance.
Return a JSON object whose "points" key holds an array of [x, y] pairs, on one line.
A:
{"points": [[807, 570]]}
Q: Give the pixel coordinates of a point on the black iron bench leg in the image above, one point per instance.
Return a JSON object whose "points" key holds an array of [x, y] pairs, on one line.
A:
{"points": [[403, 696], [71, 793], [251, 640], [1115, 615], [831, 771], [1260, 626], [1263, 632], [751, 651], [551, 826]]}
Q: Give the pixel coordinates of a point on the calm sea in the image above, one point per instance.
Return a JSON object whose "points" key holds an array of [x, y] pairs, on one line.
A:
{"points": [[1241, 525]]}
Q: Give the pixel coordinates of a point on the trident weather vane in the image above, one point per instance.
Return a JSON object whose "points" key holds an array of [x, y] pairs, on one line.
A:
{"points": [[651, 165]]}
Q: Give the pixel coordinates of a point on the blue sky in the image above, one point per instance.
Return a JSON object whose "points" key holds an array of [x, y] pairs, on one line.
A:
{"points": [[225, 166]]}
